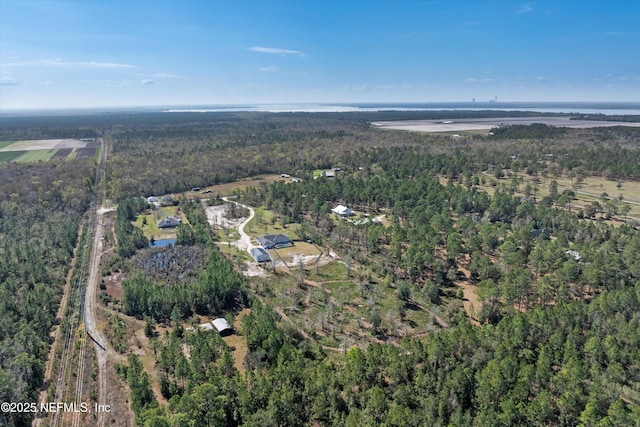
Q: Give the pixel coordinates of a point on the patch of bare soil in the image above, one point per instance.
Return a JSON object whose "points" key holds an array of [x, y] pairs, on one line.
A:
{"points": [[120, 414], [114, 285], [471, 302], [254, 270], [217, 217]]}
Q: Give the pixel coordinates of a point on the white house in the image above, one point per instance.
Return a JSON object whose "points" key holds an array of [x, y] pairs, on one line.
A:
{"points": [[342, 211]]}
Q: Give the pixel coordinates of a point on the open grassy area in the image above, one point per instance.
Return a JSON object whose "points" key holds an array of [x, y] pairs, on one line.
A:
{"points": [[301, 251], [332, 271], [231, 188], [8, 156], [265, 223], [36, 155], [152, 216], [588, 191], [237, 342], [6, 143]]}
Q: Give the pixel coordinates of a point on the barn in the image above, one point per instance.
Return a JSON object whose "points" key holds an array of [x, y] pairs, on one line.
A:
{"points": [[222, 326]]}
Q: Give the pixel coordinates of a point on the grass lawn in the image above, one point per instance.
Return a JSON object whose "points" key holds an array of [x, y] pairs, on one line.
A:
{"points": [[263, 223], [233, 251], [332, 271], [152, 216]]}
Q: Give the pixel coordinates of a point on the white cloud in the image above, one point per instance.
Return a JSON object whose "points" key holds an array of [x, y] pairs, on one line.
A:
{"points": [[525, 9], [9, 81], [275, 50], [269, 68], [147, 82]]}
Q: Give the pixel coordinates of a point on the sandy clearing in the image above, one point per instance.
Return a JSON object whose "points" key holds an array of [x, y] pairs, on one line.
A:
{"points": [[488, 123], [217, 217]]}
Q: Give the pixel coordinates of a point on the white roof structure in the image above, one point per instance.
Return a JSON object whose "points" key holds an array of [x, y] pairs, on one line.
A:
{"points": [[222, 325], [574, 254], [342, 211], [206, 327]]}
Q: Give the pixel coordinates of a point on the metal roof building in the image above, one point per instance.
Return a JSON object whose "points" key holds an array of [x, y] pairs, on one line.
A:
{"points": [[222, 326]]}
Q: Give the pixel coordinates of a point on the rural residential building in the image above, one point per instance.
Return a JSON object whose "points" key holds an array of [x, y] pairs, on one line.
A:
{"points": [[277, 241], [260, 255], [342, 211], [170, 221]]}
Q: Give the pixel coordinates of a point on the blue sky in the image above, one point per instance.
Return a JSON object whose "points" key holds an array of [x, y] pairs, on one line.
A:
{"points": [[70, 54]]}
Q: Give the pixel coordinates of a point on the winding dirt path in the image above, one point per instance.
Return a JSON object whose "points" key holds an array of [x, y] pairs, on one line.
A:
{"points": [[244, 242]]}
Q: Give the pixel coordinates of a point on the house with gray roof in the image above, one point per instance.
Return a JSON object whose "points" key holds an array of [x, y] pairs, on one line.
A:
{"points": [[259, 254], [277, 241], [170, 222]]}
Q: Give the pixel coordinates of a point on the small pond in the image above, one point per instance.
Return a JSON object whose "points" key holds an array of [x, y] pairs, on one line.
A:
{"points": [[162, 242]]}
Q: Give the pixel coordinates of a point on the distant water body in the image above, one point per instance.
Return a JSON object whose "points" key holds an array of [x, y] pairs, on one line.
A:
{"points": [[608, 108]]}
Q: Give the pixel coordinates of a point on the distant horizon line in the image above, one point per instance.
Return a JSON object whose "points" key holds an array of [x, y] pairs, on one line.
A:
{"points": [[358, 105]]}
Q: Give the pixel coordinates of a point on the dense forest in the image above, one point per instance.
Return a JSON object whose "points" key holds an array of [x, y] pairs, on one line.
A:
{"points": [[556, 341], [41, 206], [572, 364]]}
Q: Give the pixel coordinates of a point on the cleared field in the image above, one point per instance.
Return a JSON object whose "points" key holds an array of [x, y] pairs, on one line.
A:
{"points": [[303, 252], [230, 188], [36, 155], [486, 124], [590, 190], [41, 144], [46, 149], [8, 156]]}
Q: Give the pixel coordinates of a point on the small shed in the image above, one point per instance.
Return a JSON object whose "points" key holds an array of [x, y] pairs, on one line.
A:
{"points": [[222, 326], [259, 254]]}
